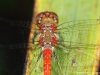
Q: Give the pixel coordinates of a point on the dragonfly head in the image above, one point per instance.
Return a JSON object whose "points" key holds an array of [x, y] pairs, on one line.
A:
{"points": [[47, 18]]}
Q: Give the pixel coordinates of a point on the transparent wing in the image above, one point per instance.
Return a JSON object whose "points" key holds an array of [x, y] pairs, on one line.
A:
{"points": [[78, 47], [76, 51], [12, 49]]}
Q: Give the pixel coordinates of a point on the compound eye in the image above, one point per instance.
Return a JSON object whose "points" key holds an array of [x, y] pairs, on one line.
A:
{"points": [[55, 20], [39, 20]]}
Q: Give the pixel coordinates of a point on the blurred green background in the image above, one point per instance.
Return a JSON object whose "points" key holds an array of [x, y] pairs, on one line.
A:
{"points": [[69, 10]]}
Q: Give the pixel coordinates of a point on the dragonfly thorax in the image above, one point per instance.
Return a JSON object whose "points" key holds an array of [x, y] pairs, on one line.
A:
{"points": [[47, 37]]}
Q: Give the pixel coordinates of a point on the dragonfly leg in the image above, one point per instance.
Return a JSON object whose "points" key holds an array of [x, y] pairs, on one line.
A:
{"points": [[37, 60], [34, 48], [55, 57]]}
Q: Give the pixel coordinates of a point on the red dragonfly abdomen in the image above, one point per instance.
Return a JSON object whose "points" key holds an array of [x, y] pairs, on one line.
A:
{"points": [[47, 54]]}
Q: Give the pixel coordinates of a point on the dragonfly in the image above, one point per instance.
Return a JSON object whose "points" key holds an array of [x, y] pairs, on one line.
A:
{"points": [[70, 48]]}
